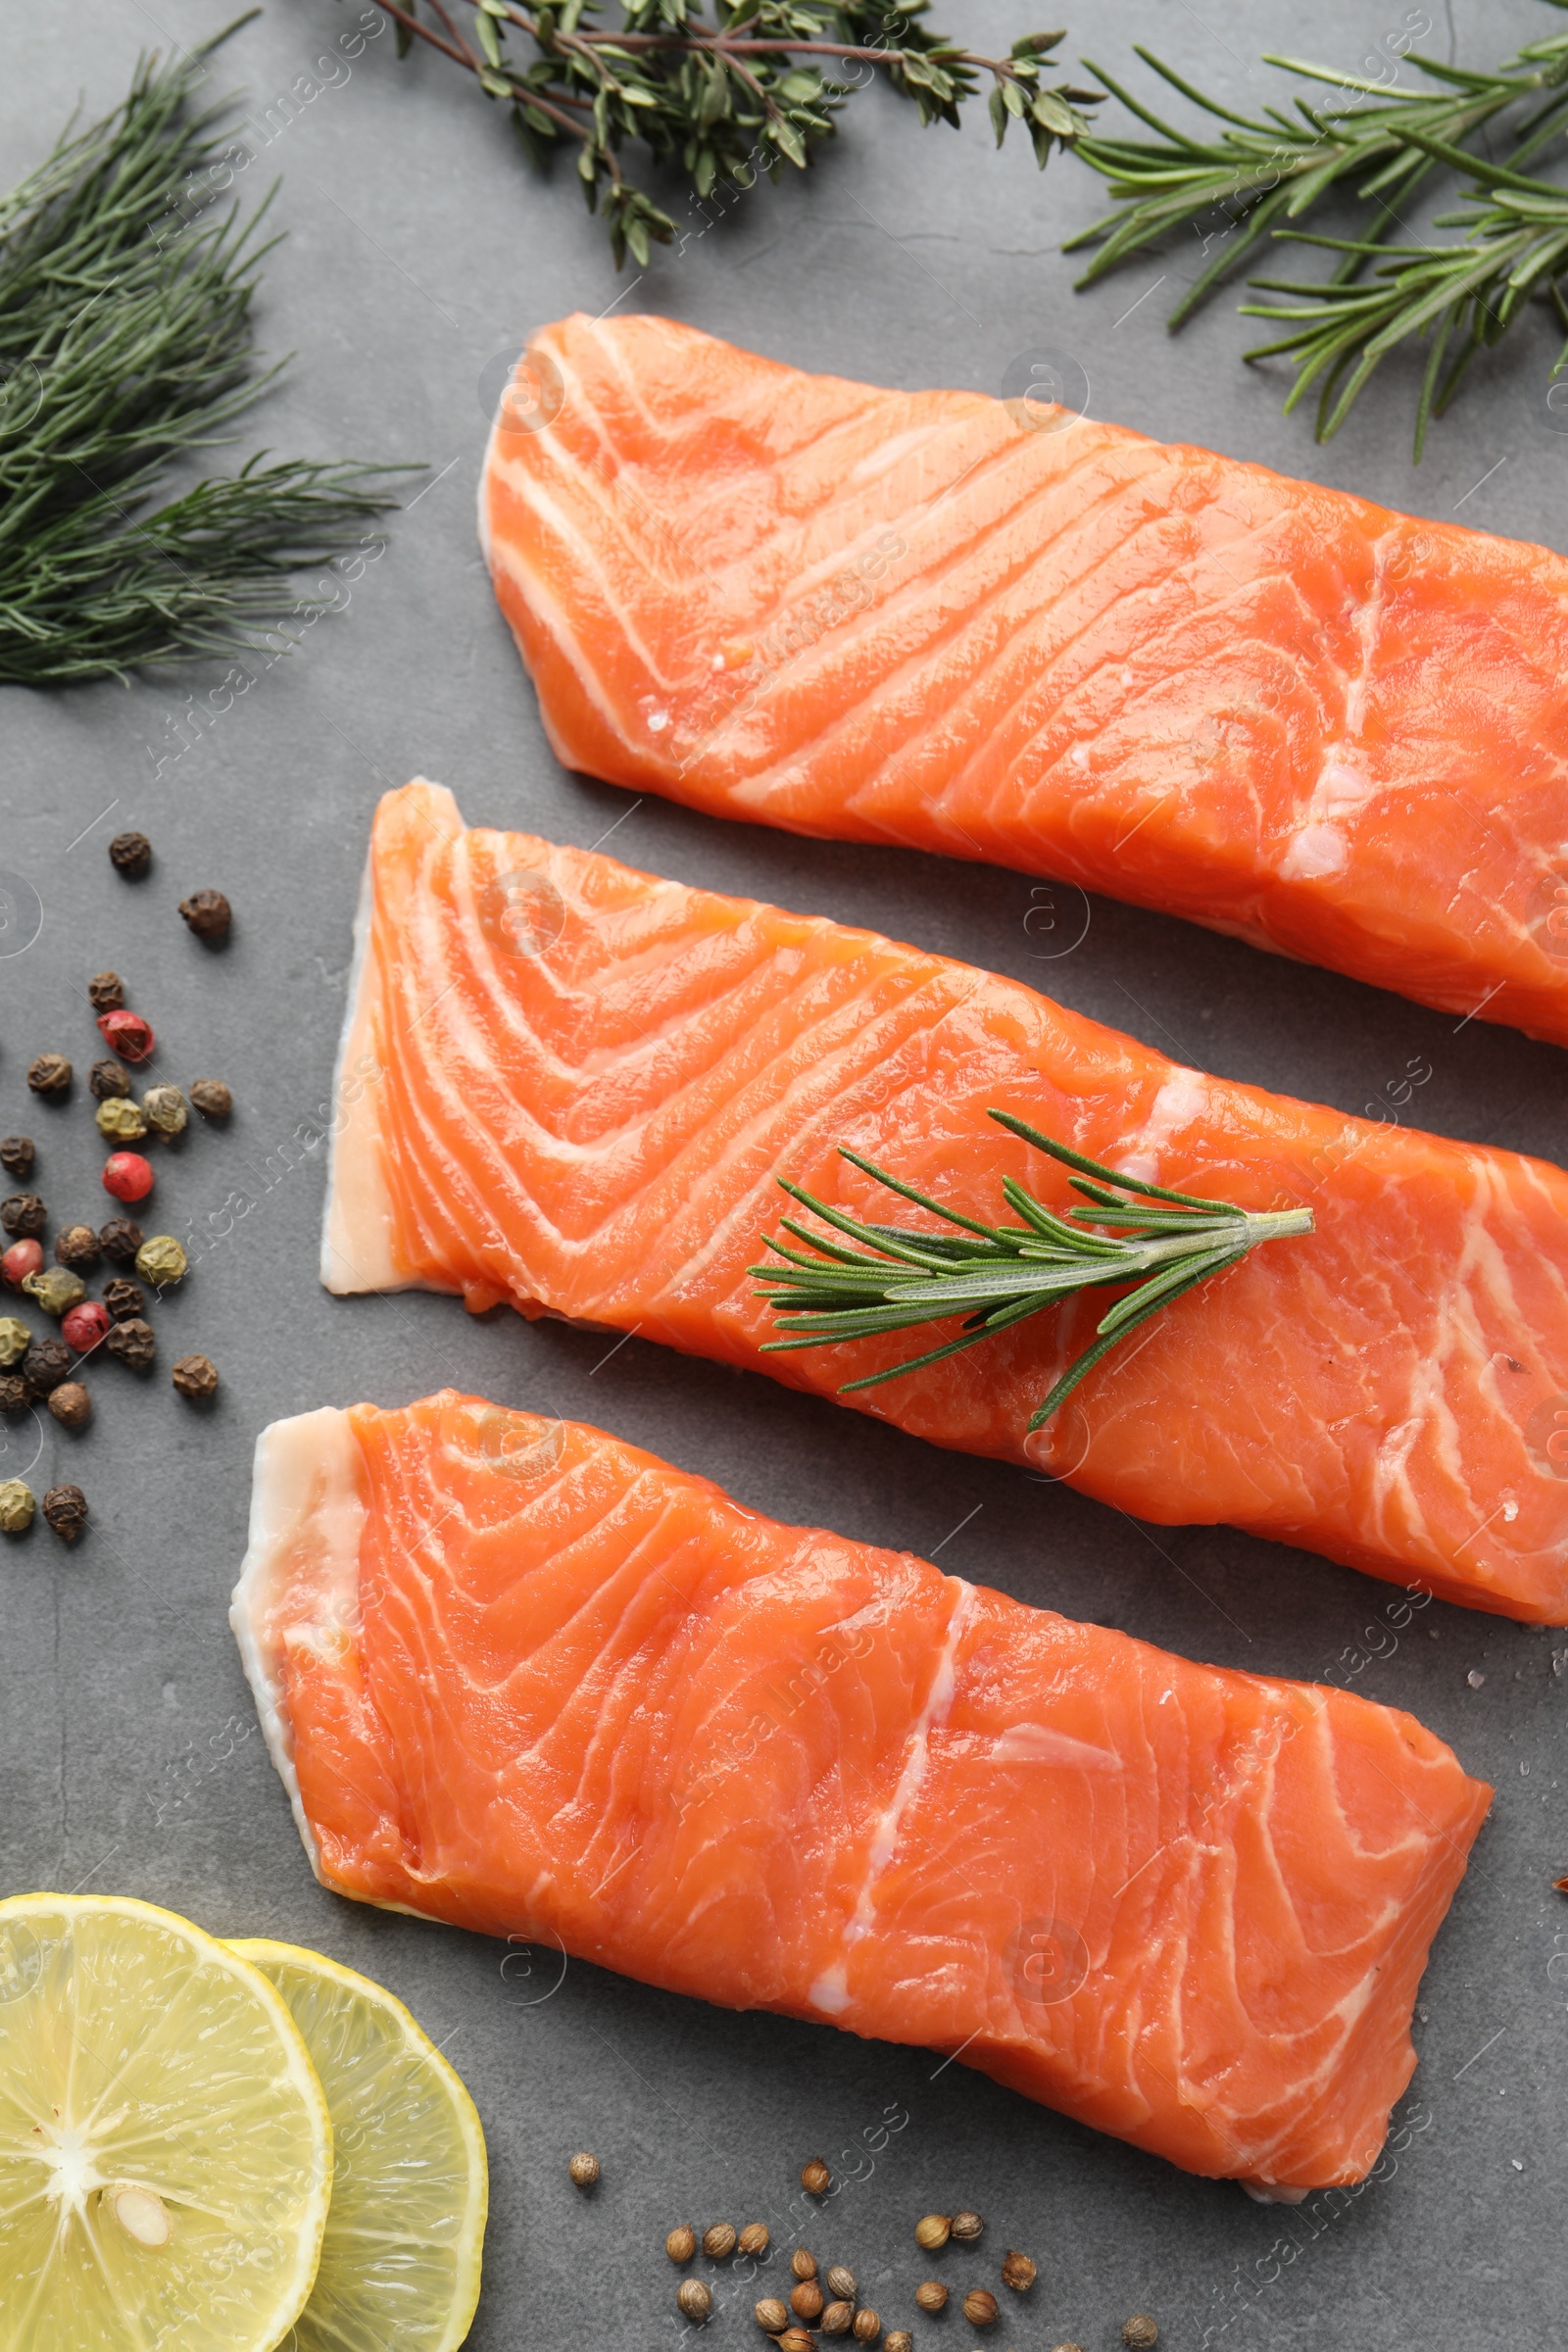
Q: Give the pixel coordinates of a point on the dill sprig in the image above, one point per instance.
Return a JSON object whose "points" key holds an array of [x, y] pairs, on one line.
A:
{"points": [[749, 93], [126, 342], [1261, 174], [901, 1277]]}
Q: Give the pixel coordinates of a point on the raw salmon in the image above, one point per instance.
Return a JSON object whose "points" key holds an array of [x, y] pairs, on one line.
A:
{"points": [[521, 1677], [1007, 632], [574, 1087]]}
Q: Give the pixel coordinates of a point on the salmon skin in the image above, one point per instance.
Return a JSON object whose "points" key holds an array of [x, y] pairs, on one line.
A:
{"points": [[574, 1087], [526, 1678], [1007, 632]]}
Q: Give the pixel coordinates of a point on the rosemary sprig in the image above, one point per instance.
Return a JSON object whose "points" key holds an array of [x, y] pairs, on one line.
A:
{"points": [[751, 91], [126, 341], [998, 1275]]}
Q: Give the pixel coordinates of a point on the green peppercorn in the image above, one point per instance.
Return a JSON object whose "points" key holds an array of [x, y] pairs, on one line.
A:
{"points": [[15, 1340], [57, 1290], [165, 1110], [17, 1507], [107, 1078], [160, 1260], [120, 1120]]}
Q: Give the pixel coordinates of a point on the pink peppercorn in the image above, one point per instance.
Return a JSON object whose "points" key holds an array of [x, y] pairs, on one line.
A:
{"points": [[126, 1034], [84, 1326], [128, 1176], [19, 1260]]}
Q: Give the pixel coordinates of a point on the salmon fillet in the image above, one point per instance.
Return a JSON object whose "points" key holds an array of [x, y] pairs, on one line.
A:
{"points": [[574, 1087], [524, 1678], [1007, 632]]}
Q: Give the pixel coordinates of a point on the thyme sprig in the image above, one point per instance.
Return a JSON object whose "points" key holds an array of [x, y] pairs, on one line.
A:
{"points": [[126, 342], [901, 1277], [750, 91]]}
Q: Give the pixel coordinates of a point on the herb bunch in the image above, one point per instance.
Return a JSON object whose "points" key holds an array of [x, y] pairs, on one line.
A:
{"points": [[899, 1277], [1260, 176], [750, 91], [127, 341]]}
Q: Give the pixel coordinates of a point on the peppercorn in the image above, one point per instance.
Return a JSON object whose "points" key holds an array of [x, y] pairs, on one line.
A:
{"points": [[981, 2308], [107, 992], [718, 2242], [57, 1291], [208, 912], [128, 1176], [165, 1109], [694, 2299], [803, 2264], [837, 2318], [130, 854], [24, 1213], [681, 2243], [196, 1378], [815, 2177], [968, 2227], [17, 1154], [19, 1260], [66, 1509], [17, 1507], [806, 2300], [15, 1340], [125, 1300], [752, 2238], [134, 1344], [160, 1260], [932, 2232], [583, 2168], [108, 1079], [15, 1395], [120, 1239], [84, 1326], [70, 1404], [901, 2341], [1018, 2272], [118, 1120], [795, 2339], [45, 1365], [771, 2315], [865, 2327], [1138, 2333], [50, 1074], [931, 2295], [77, 1247], [212, 1097], [126, 1034]]}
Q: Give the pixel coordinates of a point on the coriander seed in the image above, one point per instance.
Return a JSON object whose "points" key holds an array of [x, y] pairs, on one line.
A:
{"points": [[815, 2177], [752, 2238], [108, 1079], [795, 2339], [45, 1365], [120, 1239], [212, 1097], [841, 2282], [50, 1075], [681, 2243], [694, 2299], [24, 1215], [15, 1340], [931, 2295], [771, 2315], [56, 1289], [838, 2317], [65, 1511], [865, 2327], [806, 2300], [77, 1247], [133, 1344], [981, 2308], [901, 2341], [968, 2227], [17, 1507], [165, 1111], [803, 2264], [131, 855], [16, 1155], [106, 992], [718, 2242], [70, 1404], [1138, 2333], [160, 1260], [583, 2168], [932, 2232], [1018, 2272]]}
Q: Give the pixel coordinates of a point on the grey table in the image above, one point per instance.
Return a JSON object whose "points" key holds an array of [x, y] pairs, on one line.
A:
{"points": [[419, 250]]}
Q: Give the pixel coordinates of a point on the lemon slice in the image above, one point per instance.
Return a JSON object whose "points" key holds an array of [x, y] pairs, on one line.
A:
{"points": [[166, 2153], [400, 2263]]}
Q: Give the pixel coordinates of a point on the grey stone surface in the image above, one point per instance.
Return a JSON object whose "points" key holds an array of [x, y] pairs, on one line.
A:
{"points": [[420, 249]]}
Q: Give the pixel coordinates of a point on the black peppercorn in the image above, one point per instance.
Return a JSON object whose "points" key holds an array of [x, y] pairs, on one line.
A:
{"points": [[45, 1365], [13, 1394], [66, 1509], [208, 914], [120, 1239], [132, 1342], [196, 1377], [108, 1080], [212, 1097], [50, 1074], [77, 1247], [24, 1215], [16, 1155], [70, 1404], [125, 1300], [130, 854], [107, 991]]}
